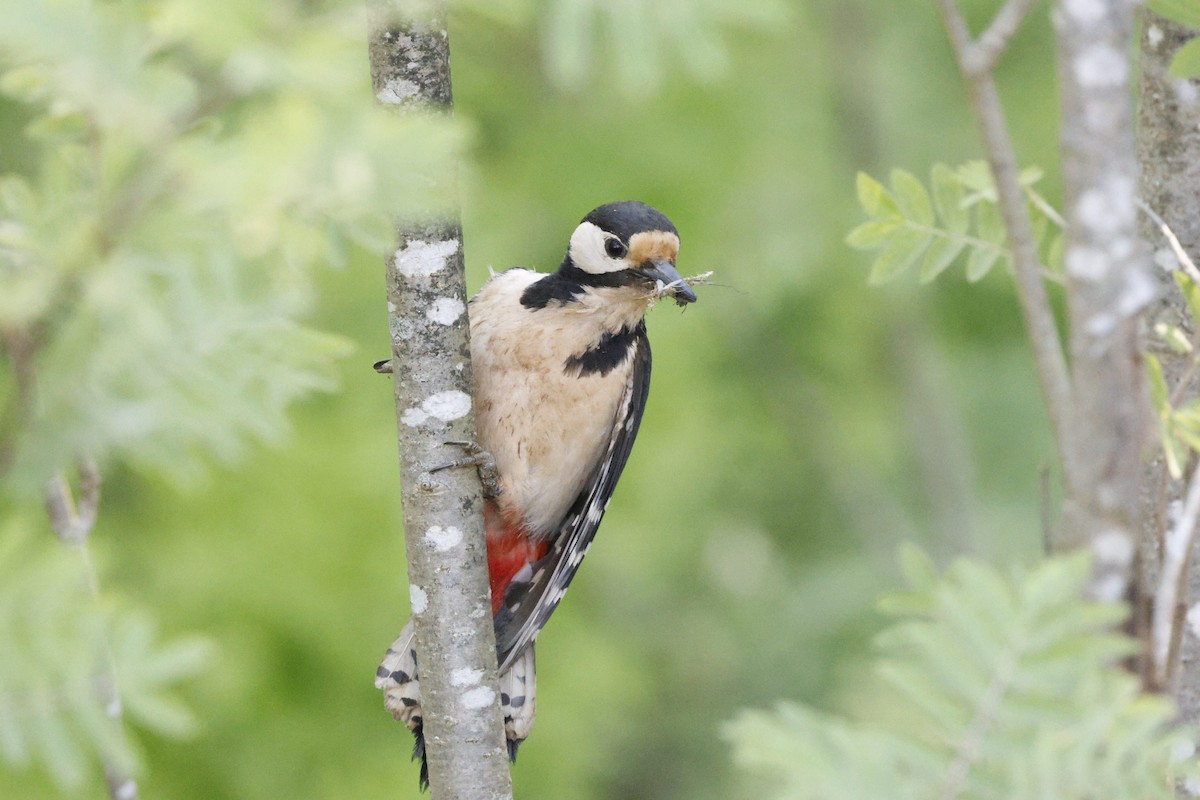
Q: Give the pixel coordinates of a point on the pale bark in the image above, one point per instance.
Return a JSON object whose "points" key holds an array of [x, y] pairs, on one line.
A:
{"points": [[1108, 287], [443, 522], [1168, 149]]}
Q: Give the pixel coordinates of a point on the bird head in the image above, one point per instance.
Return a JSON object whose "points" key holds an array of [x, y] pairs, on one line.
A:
{"points": [[630, 244]]}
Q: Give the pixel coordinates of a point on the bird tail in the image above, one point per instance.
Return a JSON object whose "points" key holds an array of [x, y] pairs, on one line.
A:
{"points": [[518, 700], [397, 678]]}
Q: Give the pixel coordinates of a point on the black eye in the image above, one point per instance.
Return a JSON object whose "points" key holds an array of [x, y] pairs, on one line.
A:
{"points": [[614, 248]]}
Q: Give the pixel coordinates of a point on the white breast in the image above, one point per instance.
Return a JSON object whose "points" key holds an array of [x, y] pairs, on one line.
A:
{"points": [[546, 428]]}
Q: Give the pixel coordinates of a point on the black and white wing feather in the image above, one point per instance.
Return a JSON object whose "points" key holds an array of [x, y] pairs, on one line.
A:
{"points": [[537, 589]]}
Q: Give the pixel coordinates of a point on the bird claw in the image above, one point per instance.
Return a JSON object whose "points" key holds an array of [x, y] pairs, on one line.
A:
{"points": [[482, 460]]}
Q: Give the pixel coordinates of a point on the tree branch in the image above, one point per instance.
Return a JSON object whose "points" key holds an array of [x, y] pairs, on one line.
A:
{"points": [[1031, 291], [1185, 261], [1108, 287], [1176, 548], [1168, 142], [983, 54], [443, 511], [72, 522]]}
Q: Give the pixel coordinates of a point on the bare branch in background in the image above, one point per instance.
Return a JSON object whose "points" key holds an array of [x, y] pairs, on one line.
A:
{"points": [[443, 510], [1181, 255], [1175, 556], [72, 521], [982, 56], [1031, 291]]}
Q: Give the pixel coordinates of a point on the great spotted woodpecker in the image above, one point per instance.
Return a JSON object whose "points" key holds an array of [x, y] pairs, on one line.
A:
{"points": [[561, 367]]}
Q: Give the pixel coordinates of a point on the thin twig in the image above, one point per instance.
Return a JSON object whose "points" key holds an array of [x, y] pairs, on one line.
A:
{"points": [[986, 51], [462, 724], [1175, 555], [1031, 290], [970, 748], [1047, 514], [21, 347], [1041, 204], [1185, 261], [72, 522]]}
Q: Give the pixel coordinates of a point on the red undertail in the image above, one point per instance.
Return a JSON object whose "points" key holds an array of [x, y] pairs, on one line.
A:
{"points": [[509, 548]]}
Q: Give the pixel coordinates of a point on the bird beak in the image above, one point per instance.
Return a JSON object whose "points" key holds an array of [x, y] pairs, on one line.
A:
{"points": [[677, 287]]}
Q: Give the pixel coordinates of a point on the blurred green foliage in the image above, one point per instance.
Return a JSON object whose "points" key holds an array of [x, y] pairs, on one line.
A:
{"points": [[958, 213], [212, 240], [175, 179], [986, 686], [55, 644]]}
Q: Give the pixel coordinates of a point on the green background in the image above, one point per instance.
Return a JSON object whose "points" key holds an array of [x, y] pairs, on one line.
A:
{"points": [[800, 424]]}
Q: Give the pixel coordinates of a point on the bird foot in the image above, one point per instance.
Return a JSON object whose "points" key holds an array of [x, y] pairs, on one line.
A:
{"points": [[482, 460]]}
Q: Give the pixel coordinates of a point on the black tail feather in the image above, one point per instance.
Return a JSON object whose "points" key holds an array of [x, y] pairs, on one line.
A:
{"points": [[419, 752]]}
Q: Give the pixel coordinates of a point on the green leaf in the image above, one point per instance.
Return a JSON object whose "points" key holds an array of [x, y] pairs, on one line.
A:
{"points": [[990, 228], [1191, 292], [918, 568], [940, 255], [980, 262], [976, 175], [1185, 12], [1040, 225], [1174, 451], [53, 128], [1159, 394], [16, 196], [912, 197], [989, 223], [1017, 675], [900, 254], [50, 710], [1055, 253], [874, 198], [1186, 63], [873, 235], [1187, 423], [26, 83], [948, 198], [1175, 338], [1028, 176]]}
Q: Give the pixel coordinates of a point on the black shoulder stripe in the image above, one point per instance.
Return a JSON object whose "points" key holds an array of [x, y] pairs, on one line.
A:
{"points": [[610, 352], [569, 282], [552, 287]]}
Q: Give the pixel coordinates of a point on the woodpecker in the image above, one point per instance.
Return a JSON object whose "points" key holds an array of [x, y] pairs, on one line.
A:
{"points": [[561, 365]]}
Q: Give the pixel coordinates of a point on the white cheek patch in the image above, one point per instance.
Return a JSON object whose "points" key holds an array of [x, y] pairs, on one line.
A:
{"points": [[587, 251]]}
